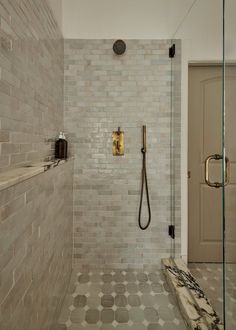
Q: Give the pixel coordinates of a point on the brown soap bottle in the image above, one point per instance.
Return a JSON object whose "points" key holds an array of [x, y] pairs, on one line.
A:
{"points": [[61, 147]]}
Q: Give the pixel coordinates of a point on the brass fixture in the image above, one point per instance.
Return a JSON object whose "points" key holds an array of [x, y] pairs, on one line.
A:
{"points": [[227, 171], [118, 143]]}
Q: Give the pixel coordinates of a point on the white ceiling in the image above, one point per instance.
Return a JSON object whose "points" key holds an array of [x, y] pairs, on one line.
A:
{"points": [[128, 19], [151, 19]]}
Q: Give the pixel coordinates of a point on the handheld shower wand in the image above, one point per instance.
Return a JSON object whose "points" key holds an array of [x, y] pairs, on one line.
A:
{"points": [[144, 181]]}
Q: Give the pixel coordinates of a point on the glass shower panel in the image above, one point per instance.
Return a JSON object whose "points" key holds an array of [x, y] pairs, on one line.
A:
{"points": [[198, 39], [175, 146], [230, 152]]}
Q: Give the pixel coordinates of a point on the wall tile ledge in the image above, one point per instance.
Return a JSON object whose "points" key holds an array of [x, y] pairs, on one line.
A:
{"points": [[19, 174], [193, 303]]}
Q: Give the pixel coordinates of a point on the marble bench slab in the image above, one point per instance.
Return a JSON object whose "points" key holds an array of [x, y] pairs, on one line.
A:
{"points": [[19, 174], [194, 305]]}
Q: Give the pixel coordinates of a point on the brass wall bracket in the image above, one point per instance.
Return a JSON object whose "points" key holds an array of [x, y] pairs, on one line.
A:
{"points": [[118, 143]]}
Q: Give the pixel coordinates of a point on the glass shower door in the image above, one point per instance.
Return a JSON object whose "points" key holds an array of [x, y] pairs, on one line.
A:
{"points": [[199, 46], [198, 39], [229, 149]]}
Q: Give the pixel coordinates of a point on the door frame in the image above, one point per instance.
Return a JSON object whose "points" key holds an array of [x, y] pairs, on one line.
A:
{"points": [[185, 63], [206, 65], [184, 144]]}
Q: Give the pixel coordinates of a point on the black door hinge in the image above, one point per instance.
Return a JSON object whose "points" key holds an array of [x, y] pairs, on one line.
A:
{"points": [[172, 231], [172, 51]]}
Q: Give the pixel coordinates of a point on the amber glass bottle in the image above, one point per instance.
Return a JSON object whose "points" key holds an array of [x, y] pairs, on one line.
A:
{"points": [[61, 147]]}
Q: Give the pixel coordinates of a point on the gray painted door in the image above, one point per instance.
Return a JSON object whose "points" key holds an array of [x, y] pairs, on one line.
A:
{"points": [[205, 134], [205, 206]]}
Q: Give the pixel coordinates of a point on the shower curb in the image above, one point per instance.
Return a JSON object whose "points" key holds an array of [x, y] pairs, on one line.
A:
{"points": [[193, 303]]}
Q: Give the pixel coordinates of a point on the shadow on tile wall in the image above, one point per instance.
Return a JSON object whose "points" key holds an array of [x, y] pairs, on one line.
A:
{"points": [[36, 249], [31, 82]]}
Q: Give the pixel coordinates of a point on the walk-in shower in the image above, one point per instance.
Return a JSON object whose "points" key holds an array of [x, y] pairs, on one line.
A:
{"points": [[72, 255]]}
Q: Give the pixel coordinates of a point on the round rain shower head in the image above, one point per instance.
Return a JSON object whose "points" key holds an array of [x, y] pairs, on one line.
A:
{"points": [[119, 47]]}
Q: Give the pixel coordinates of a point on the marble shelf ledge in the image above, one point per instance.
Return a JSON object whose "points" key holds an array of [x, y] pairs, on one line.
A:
{"points": [[19, 174], [194, 305]]}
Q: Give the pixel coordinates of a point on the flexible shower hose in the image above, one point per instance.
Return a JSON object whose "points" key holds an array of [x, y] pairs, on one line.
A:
{"points": [[144, 181]]}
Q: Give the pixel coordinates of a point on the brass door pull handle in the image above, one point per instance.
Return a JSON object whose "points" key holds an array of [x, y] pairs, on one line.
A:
{"points": [[227, 171]]}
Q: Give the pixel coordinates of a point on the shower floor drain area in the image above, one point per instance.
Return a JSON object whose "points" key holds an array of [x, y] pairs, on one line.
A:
{"points": [[119, 300]]}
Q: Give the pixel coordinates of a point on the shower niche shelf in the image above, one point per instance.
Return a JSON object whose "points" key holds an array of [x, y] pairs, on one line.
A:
{"points": [[19, 174]]}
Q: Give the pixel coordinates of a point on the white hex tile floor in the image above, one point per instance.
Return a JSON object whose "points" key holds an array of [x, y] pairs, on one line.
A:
{"points": [[119, 299]]}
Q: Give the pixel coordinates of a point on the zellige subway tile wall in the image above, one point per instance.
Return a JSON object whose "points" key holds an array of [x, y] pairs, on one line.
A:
{"points": [[31, 82], [104, 91]]}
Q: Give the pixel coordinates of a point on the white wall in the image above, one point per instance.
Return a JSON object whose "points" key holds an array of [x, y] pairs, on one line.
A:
{"points": [[151, 19], [128, 19], [203, 30]]}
